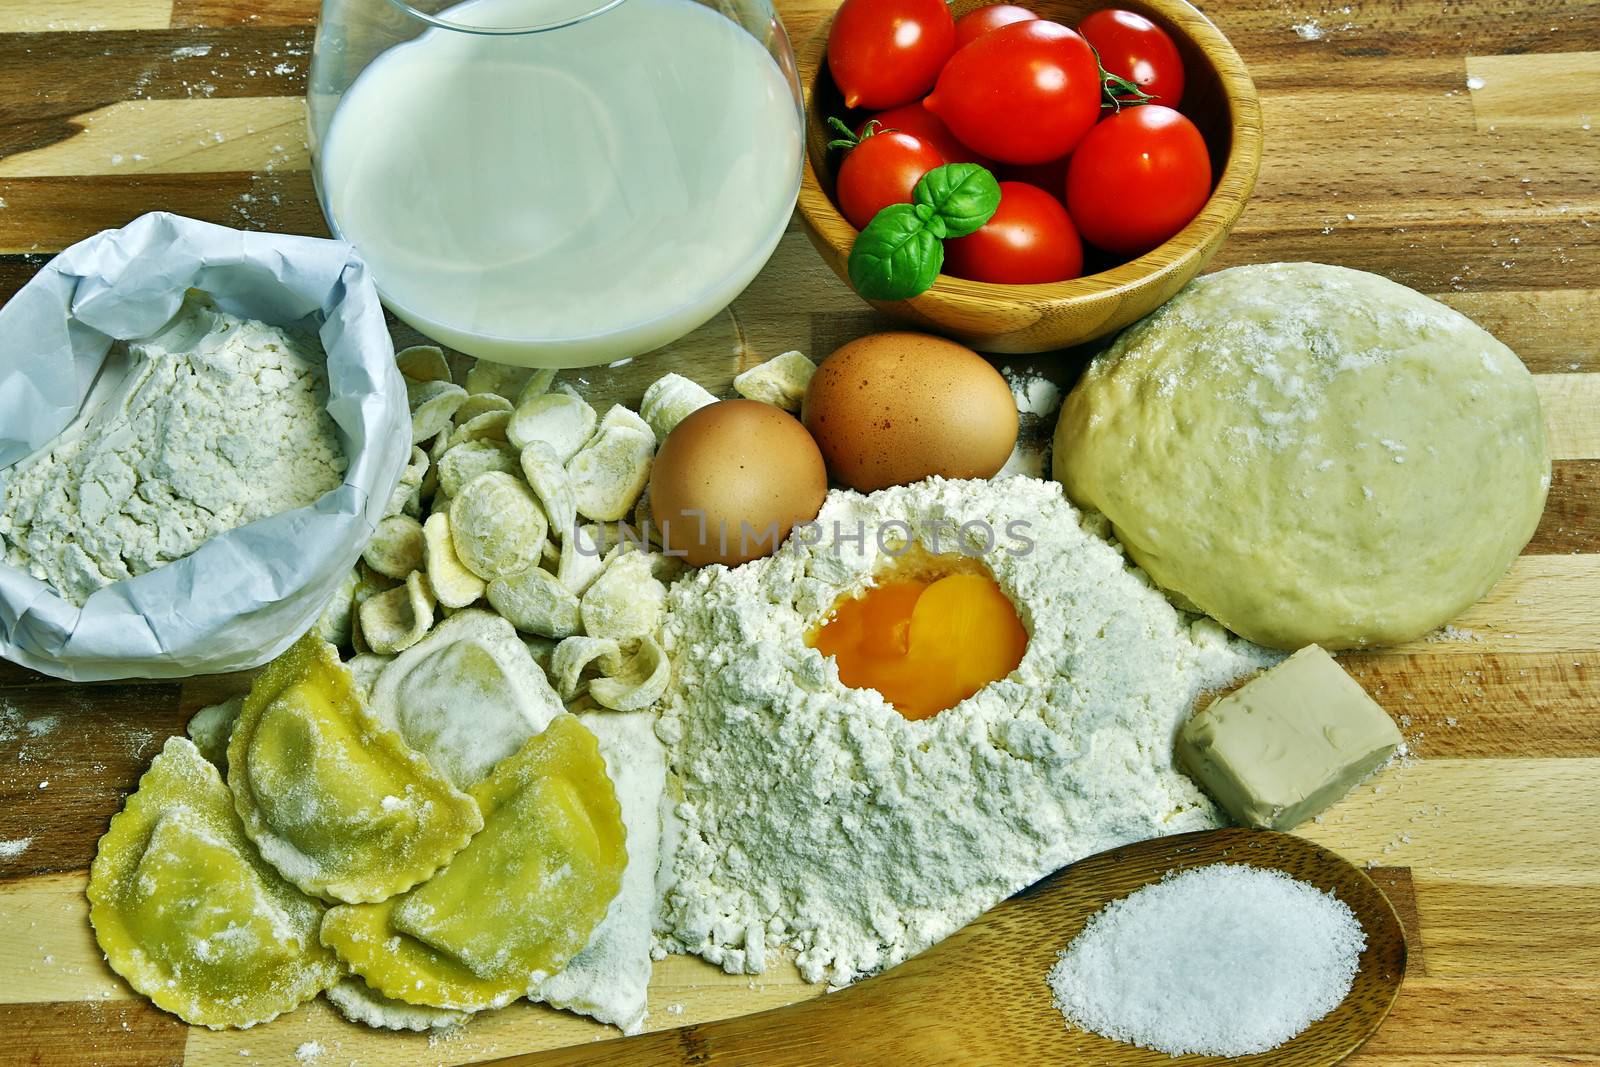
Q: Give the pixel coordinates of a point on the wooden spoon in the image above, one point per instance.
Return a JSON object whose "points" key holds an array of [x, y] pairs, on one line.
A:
{"points": [[979, 997]]}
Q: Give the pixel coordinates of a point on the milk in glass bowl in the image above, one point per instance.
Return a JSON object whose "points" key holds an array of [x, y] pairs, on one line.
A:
{"points": [[551, 183]]}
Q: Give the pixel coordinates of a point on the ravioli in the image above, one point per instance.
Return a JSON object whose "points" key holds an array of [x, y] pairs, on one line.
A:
{"points": [[467, 696], [609, 980], [518, 902], [333, 798], [360, 1003], [187, 912]]}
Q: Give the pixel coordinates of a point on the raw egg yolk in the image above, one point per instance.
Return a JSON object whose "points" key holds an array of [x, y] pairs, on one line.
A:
{"points": [[926, 646]]}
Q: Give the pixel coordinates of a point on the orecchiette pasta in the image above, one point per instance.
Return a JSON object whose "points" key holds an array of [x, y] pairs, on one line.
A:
{"points": [[780, 381], [640, 683], [398, 619], [670, 400], [497, 525], [453, 585], [396, 548], [610, 472], [535, 602], [433, 405], [561, 420]]}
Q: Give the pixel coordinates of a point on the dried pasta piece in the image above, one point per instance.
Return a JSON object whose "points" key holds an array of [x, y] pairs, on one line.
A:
{"points": [[609, 980], [435, 450], [538, 383], [780, 381], [583, 557], [497, 526], [518, 902], [423, 363], [541, 649], [433, 405], [396, 548], [464, 462], [670, 400], [364, 670], [453, 585], [210, 727], [489, 426], [407, 496], [333, 798], [535, 602], [642, 681], [574, 655], [360, 1003], [561, 420], [394, 621], [466, 697], [625, 603], [548, 478], [333, 625], [610, 472], [622, 415], [190, 915], [487, 376], [481, 404]]}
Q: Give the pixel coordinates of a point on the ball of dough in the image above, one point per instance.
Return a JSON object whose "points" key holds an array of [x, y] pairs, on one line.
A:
{"points": [[1310, 454]]}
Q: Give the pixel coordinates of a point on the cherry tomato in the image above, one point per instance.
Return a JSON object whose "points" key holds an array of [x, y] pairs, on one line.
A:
{"points": [[882, 170], [975, 24], [1132, 47], [1029, 240], [1137, 179], [924, 125], [1024, 93], [883, 53]]}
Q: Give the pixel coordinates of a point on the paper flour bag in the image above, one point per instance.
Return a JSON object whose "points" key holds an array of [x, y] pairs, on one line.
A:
{"points": [[244, 595]]}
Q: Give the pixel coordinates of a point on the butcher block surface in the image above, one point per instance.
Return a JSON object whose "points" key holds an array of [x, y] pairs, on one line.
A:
{"points": [[1454, 147]]}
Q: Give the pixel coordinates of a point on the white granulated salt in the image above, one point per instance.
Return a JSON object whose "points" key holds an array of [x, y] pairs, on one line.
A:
{"points": [[1225, 960]]}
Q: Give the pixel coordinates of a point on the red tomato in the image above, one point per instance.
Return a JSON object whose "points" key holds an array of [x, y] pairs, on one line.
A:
{"points": [[883, 53], [1024, 93], [1029, 240], [975, 24], [882, 170], [1137, 179], [924, 125], [1132, 47]]}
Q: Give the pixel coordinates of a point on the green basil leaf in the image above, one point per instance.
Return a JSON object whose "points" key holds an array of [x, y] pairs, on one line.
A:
{"points": [[896, 256], [964, 195]]}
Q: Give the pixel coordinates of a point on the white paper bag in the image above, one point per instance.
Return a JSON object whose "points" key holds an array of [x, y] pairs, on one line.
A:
{"points": [[244, 596]]}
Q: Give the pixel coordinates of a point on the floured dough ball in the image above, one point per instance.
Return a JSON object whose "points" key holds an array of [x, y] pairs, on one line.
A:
{"points": [[1311, 454]]}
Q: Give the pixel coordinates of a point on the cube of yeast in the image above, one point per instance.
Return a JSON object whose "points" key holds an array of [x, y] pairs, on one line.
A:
{"points": [[1288, 744]]}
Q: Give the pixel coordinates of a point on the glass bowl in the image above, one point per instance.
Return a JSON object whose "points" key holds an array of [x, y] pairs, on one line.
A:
{"points": [[550, 182]]}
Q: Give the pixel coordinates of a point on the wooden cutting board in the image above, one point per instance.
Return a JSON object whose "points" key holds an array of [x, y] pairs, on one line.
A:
{"points": [[1452, 147]]}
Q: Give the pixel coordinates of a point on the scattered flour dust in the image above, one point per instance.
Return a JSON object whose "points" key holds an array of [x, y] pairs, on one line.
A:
{"points": [[1225, 960], [13, 849], [813, 815]]}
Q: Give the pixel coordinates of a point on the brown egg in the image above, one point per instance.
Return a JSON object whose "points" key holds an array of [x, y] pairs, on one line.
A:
{"points": [[895, 408], [732, 479]]}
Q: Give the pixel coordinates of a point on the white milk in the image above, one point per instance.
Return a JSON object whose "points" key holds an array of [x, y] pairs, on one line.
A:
{"points": [[568, 197]]}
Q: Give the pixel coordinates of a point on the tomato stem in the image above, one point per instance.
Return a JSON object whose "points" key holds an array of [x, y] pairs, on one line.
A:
{"points": [[1118, 91], [847, 139]]}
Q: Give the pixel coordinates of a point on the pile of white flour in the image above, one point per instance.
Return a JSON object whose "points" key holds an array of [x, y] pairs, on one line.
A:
{"points": [[814, 815], [220, 421]]}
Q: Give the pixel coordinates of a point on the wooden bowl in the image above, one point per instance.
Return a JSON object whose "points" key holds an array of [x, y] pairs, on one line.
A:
{"points": [[1219, 98]]}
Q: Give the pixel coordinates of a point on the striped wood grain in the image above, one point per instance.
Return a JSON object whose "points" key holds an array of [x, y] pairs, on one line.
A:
{"points": [[1483, 195]]}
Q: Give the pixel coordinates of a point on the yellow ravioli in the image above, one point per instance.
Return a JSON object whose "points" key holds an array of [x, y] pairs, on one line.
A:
{"points": [[518, 902], [187, 912], [335, 799]]}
